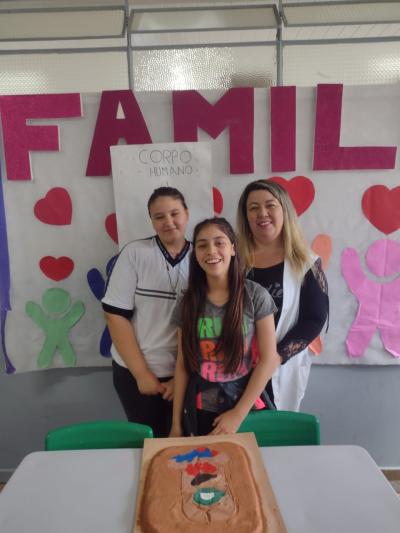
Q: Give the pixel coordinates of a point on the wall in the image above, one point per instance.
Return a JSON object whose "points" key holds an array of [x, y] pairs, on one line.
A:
{"points": [[356, 405]]}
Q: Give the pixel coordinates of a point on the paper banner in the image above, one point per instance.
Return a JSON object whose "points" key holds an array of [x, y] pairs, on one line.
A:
{"points": [[383, 258], [110, 224], [300, 189], [97, 285], [56, 268], [218, 201], [21, 138], [55, 318], [55, 208], [328, 154], [378, 303], [186, 166], [235, 110], [329, 205], [381, 206], [4, 282], [322, 246], [110, 128], [283, 129]]}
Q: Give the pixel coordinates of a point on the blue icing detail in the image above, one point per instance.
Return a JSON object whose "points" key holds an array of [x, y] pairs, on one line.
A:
{"points": [[192, 455]]}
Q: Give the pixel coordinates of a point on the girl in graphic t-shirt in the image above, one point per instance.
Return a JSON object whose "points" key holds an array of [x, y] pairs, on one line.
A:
{"points": [[216, 380]]}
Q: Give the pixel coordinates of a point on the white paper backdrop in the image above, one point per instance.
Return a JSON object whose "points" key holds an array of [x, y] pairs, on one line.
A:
{"points": [[370, 116]]}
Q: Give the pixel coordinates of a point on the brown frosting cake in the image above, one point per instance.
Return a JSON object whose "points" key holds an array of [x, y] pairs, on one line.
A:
{"points": [[201, 489]]}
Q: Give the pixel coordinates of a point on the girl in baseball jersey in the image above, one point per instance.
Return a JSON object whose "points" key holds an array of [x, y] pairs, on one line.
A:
{"points": [[139, 300]]}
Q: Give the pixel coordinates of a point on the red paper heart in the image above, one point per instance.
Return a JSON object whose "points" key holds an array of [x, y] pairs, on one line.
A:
{"points": [[56, 268], [381, 206], [55, 208], [218, 201], [111, 226], [301, 191]]}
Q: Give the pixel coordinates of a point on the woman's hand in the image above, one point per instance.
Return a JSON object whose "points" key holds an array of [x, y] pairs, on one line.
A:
{"points": [[149, 384], [168, 390], [227, 423], [176, 431]]}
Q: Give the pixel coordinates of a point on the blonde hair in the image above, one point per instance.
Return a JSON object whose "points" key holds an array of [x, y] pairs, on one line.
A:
{"points": [[295, 246]]}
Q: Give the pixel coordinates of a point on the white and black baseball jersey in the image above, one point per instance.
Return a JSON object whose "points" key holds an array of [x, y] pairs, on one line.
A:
{"points": [[143, 286]]}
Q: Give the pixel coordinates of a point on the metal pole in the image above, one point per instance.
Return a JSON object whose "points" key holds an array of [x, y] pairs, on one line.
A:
{"points": [[129, 54], [279, 49]]}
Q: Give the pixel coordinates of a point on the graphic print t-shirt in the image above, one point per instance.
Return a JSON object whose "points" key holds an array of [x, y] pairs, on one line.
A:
{"points": [[257, 304]]}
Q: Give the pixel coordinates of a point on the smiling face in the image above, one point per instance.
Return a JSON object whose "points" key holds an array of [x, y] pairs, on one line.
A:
{"points": [[214, 251], [169, 218], [265, 216]]}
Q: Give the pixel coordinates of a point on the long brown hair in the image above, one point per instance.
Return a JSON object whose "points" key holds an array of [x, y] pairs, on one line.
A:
{"points": [[231, 341], [295, 246]]}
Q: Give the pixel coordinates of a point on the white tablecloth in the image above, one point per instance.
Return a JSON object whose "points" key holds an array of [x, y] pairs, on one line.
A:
{"points": [[319, 489]]}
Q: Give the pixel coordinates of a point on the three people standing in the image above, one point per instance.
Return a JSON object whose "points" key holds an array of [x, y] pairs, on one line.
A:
{"points": [[218, 379]]}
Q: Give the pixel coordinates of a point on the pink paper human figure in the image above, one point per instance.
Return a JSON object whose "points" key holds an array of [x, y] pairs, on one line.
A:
{"points": [[379, 303]]}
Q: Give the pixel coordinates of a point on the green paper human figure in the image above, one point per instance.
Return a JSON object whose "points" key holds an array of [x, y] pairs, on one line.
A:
{"points": [[56, 319]]}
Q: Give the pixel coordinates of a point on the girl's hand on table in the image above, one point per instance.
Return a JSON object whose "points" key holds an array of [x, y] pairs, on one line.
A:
{"points": [[227, 423]]}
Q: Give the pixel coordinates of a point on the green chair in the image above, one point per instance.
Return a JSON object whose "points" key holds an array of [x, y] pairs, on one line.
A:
{"points": [[282, 428], [98, 435]]}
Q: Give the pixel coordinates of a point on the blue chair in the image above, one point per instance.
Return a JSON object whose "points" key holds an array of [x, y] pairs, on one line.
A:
{"points": [[282, 428], [98, 435]]}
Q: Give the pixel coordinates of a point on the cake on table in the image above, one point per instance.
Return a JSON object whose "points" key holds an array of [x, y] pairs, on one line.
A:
{"points": [[201, 489]]}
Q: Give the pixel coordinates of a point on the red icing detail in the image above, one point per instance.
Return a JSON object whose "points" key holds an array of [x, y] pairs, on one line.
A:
{"points": [[55, 208], [234, 110], [217, 200], [192, 470], [283, 129], [21, 138], [381, 206], [300, 189], [199, 467], [201, 450], [208, 468], [328, 154], [110, 129], [214, 453], [111, 226], [56, 268]]}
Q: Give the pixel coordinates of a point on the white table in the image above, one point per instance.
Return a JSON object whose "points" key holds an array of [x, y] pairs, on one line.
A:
{"points": [[319, 489]]}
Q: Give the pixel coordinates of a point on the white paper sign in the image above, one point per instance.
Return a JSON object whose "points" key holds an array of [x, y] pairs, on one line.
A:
{"points": [[139, 169]]}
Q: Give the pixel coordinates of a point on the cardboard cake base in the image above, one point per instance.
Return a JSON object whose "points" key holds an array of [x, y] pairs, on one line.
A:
{"points": [[269, 518]]}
